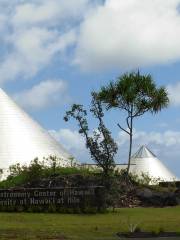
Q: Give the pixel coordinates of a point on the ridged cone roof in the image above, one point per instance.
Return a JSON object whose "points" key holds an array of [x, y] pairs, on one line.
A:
{"points": [[22, 138], [143, 152], [144, 161]]}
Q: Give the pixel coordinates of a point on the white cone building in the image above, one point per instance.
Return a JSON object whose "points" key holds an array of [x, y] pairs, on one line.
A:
{"points": [[144, 161], [23, 139]]}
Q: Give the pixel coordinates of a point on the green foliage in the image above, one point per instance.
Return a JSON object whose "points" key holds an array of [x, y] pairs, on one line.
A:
{"points": [[135, 94], [144, 179], [101, 145], [133, 227], [35, 170], [21, 175], [53, 164]]}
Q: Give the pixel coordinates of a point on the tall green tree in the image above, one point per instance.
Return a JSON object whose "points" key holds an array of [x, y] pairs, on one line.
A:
{"points": [[101, 145], [135, 94]]}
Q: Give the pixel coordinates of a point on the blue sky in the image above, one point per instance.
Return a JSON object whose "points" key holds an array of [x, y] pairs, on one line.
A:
{"points": [[55, 52]]}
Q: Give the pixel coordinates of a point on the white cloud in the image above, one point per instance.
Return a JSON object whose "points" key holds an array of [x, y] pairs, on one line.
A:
{"points": [[36, 32], [162, 125], [71, 139], [174, 95], [113, 34], [130, 34], [73, 142], [45, 94], [48, 12], [167, 138], [3, 21], [33, 49], [40, 12]]}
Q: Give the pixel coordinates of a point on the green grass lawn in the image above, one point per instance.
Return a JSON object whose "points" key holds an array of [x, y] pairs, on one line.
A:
{"points": [[86, 227]]}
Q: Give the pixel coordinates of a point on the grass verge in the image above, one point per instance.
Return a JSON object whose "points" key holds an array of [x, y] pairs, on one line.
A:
{"points": [[35, 226]]}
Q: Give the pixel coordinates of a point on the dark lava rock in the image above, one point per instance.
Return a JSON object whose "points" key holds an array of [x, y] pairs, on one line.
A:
{"points": [[150, 197], [144, 193], [143, 235]]}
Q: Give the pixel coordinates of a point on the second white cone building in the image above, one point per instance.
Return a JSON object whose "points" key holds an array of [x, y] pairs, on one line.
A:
{"points": [[144, 161]]}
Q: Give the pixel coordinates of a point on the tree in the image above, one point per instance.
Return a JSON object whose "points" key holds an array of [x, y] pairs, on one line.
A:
{"points": [[136, 94], [100, 144]]}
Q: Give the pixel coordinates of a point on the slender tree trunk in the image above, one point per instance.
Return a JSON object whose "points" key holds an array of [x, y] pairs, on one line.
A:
{"points": [[130, 145]]}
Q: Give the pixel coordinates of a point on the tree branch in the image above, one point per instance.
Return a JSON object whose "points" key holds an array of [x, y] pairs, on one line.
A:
{"points": [[127, 121], [123, 129], [140, 113]]}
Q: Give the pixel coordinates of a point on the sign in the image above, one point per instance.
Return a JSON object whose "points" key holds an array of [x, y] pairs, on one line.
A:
{"points": [[61, 197]]}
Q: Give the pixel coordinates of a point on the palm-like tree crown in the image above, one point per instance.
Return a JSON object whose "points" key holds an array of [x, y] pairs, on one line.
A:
{"points": [[136, 93]]}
